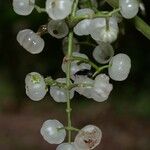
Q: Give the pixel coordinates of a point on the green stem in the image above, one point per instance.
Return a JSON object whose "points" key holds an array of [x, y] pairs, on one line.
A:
{"points": [[102, 14], [68, 75], [39, 9], [100, 69], [140, 25], [69, 129], [86, 61], [68, 110]]}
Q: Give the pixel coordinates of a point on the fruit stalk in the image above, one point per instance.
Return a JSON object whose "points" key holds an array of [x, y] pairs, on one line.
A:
{"points": [[68, 75]]}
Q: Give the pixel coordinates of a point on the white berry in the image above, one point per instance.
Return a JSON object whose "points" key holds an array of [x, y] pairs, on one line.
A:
{"points": [[103, 52], [75, 65], [96, 24], [35, 86], [23, 7], [102, 88], [58, 28], [58, 9], [86, 85], [88, 138], [66, 146], [51, 133], [120, 66], [129, 8], [30, 41], [60, 94], [100, 32], [84, 26]]}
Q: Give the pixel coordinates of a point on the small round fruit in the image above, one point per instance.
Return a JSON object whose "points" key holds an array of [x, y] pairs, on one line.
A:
{"points": [[23, 7], [108, 36], [35, 86], [30, 41], [51, 133], [60, 94], [103, 53], [84, 26], [102, 88], [86, 85], [58, 28], [75, 65], [100, 32], [88, 138], [58, 9], [120, 66], [129, 8], [66, 146]]}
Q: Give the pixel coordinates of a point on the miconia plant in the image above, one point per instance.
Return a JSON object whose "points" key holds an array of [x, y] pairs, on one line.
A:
{"points": [[68, 19]]}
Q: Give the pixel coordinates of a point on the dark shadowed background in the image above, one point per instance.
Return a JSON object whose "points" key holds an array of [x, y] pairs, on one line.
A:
{"points": [[124, 118]]}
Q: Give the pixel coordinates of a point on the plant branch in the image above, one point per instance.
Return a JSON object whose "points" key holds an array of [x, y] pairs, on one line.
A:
{"points": [[102, 14], [86, 61], [140, 24], [68, 74], [100, 69], [69, 129]]}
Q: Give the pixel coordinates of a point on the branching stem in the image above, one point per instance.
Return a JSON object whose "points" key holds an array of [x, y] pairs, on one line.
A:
{"points": [[68, 74]]}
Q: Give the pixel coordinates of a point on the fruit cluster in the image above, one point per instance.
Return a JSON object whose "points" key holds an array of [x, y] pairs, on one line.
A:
{"points": [[82, 18]]}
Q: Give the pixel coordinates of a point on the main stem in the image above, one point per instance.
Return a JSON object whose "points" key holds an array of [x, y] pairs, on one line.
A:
{"points": [[68, 110], [69, 56]]}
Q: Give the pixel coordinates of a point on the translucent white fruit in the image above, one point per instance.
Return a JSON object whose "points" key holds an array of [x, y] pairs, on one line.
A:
{"points": [[108, 35], [35, 86], [88, 138], [23, 7], [50, 132], [102, 88], [75, 65], [75, 45], [129, 8], [58, 9], [84, 26], [86, 85], [120, 66], [30, 41], [60, 94], [58, 28], [100, 31], [96, 24], [66, 146], [103, 52]]}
